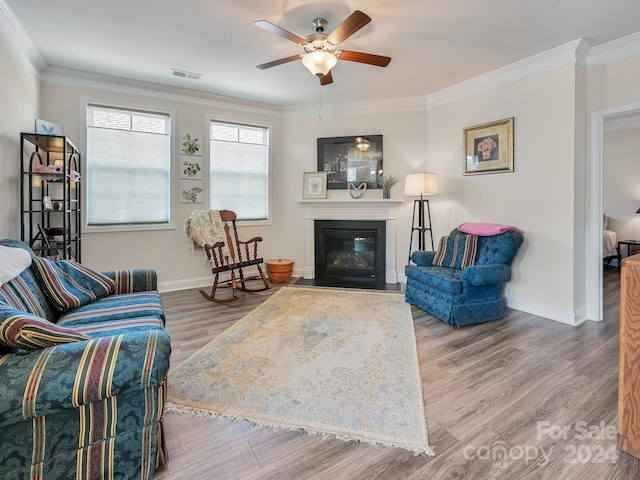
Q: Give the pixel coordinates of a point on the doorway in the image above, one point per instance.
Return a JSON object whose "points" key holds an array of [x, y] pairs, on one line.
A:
{"points": [[594, 287]]}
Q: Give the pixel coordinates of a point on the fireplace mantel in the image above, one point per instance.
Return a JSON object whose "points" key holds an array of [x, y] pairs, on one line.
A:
{"points": [[349, 209]]}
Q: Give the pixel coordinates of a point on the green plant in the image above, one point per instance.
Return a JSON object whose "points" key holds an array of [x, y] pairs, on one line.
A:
{"points": [[388, 181], [189, 145]]}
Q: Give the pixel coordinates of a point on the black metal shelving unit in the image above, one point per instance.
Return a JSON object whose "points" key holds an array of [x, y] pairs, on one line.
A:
{"points": [[50, 200]]}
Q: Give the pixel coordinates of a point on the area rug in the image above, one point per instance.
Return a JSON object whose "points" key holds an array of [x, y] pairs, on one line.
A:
{"points": [[329, 362]]}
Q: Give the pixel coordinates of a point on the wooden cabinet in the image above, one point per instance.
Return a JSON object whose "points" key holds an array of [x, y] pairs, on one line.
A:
{"points": [[50, 195], [629, 372]]}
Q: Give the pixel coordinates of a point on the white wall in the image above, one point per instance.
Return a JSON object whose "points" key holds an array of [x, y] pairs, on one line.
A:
{"points": [[538, 196], [19, 98], [404, 151], [294, 135], [546, 195], [163, 250]]}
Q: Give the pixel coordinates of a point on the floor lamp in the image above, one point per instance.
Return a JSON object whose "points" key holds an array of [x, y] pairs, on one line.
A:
{"points": [[421, 184]]}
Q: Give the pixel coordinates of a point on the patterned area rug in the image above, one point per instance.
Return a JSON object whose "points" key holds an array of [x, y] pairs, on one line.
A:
{"points": [[329, 362]]}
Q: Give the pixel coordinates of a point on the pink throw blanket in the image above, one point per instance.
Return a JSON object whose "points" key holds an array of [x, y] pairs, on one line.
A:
{"points": [[487, 229]]}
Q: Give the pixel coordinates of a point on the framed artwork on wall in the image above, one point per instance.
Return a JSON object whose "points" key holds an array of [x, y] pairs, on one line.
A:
{"points": [[190, 143], [190, 167], [314, 185], [355, 159], [191, 191], [488, 148]]}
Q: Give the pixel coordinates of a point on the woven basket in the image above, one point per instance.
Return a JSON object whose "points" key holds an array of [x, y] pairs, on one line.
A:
{"points": [[279, 270]]}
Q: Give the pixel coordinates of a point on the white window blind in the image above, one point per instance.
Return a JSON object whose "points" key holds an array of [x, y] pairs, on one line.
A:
{"points": [[128, 167], [239, 169]]}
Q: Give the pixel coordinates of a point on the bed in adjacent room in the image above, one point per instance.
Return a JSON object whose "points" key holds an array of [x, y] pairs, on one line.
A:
{"points": [[609, 243]]}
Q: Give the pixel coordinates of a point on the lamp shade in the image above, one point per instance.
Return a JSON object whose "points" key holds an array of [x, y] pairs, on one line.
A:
{"points": [[421, 184], [319, 63]]}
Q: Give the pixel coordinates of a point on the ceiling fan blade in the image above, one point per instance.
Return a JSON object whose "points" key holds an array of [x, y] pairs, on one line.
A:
{"points": [[270, 27], [326, 79], [368, 58], [351, 25], [275, 63]]}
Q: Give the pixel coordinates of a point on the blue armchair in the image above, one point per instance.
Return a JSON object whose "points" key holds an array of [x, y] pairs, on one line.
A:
{"points": [[469, 295]]}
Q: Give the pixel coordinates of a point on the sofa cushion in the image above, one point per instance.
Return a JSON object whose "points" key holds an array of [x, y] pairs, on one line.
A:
{"points": [[24, 293], [116, 307], [23, 330], [116, 327], [69, 284], [456, 251], [446, 280]]}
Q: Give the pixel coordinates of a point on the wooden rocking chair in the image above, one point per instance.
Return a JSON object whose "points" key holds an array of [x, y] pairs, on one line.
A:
{"points": [[220, 262]]}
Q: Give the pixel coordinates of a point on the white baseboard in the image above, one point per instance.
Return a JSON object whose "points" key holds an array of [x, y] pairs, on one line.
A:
{"points": [[185, 284]]}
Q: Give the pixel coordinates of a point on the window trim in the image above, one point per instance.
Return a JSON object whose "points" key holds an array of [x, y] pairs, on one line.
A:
{"points": [[246, 123], [84, 123]]}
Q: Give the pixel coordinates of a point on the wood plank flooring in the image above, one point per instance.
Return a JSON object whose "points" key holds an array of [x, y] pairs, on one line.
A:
{"points": [[520, 398]]}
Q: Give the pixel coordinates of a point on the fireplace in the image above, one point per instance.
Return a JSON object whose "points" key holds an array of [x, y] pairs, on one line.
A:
{"points": [[349, 210], [349, 251]]}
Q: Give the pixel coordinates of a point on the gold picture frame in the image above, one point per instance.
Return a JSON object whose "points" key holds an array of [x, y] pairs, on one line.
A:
{"points": [[314, 185], [488, 148]]}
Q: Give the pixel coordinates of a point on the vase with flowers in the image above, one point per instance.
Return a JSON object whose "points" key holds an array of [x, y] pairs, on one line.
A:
{"points": [[485, 147], [386, 182]]}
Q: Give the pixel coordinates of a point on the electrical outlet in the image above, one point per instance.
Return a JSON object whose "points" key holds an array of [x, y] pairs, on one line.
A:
{"points": [[448, 209]]}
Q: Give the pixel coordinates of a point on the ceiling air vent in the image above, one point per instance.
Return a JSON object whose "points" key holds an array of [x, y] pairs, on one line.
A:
{"points": [[185, 74]]}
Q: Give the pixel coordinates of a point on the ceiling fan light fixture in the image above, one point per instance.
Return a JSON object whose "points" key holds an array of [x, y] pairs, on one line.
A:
{"points": [[363, 144], [319, 63]]}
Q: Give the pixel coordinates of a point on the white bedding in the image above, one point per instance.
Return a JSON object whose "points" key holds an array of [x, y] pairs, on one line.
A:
{"points": [[609, 243]]}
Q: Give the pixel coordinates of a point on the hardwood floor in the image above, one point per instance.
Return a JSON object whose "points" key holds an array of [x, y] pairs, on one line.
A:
{"points": [[520, 398]]}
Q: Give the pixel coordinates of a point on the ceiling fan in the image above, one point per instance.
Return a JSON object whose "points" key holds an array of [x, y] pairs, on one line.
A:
{"points": [[321, 51]]}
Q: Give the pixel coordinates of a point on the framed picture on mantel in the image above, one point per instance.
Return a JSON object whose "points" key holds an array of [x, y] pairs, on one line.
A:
{"points": [[314, 185], [355, 159]]}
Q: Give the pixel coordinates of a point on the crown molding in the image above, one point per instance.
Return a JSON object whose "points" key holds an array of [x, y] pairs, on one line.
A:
{"points": [[619, 49], [19, 38], [569, 53], [80, 79], [365, 107]]}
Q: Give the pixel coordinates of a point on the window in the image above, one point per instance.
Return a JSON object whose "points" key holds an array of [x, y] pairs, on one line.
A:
{"points": [[239, 169], [128, 167]]}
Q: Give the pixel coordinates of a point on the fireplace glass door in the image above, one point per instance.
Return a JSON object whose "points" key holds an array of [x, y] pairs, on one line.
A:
{"points": [[350, 250]]}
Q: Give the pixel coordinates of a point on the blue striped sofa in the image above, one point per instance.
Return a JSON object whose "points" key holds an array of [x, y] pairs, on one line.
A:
{"points": [[90, 408]]}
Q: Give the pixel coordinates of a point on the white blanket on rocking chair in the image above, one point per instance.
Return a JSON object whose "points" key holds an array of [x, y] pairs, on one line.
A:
{"points": [[205, 227]]}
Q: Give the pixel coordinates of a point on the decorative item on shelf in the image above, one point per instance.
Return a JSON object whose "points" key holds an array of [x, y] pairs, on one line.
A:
{"points": [[55, 172], [357, 192], [421, 184], [44, 127], [314, 185], [386, 183]]}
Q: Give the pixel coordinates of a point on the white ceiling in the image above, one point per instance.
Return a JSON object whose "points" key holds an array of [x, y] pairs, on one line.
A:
{"points": [[433, 43]]}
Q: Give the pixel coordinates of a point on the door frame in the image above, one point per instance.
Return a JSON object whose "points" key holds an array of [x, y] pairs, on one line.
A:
{"points": [[594, 263]]}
